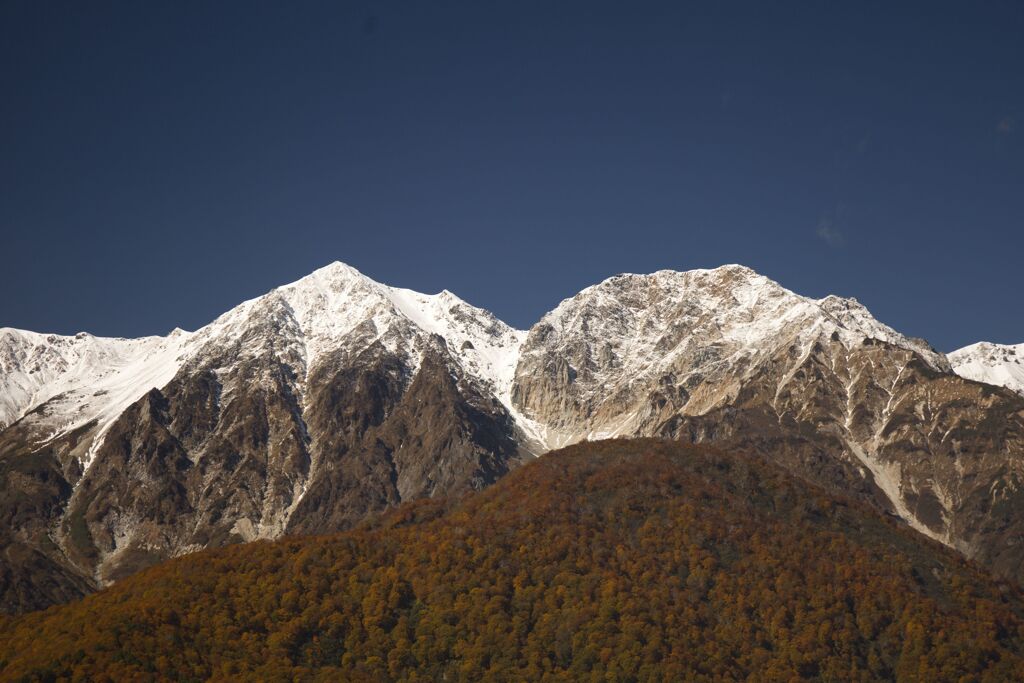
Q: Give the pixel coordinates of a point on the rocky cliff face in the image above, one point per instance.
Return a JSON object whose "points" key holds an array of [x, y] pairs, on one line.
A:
{"points": [[306, 409]]}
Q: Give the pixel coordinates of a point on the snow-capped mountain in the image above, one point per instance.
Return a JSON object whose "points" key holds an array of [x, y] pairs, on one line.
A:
{"points": [[998, 364], [84, 379], [731, 357], [698, 334], [338, 307], [322, 401], [300, 410]]}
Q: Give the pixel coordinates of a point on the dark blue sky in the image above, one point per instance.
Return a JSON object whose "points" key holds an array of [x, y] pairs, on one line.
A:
{"points": [[161, 162]]}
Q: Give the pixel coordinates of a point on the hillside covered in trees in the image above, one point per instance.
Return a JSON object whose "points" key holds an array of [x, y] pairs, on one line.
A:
{"points": [[611, 561]]}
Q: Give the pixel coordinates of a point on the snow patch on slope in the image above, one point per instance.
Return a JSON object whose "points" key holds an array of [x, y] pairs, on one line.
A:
{"points": [[487, 348], [998, 364], [81, 378]]}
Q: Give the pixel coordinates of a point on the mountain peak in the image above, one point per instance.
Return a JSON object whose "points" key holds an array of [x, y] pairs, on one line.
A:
{"points": [[732, 269], [997, 364], [333, 275], [723, 272], [337, 268]]}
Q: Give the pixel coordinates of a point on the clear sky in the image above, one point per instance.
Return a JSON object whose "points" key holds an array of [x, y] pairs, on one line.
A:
{"points": [[162, 161]]}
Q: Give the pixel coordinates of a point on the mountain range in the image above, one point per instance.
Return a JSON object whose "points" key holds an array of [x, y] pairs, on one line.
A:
{"points": [[335, 397]]}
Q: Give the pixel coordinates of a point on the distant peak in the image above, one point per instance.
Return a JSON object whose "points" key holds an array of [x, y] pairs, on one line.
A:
{"points": [[987, 347], [997, 364]]}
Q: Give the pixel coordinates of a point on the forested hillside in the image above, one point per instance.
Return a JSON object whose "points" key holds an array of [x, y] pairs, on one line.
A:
{"points": [[611, 561]]}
